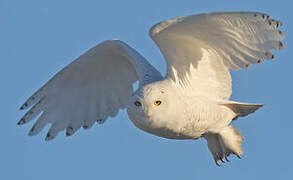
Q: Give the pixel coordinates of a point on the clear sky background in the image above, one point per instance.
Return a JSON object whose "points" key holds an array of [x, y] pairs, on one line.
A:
{"points": [[38, 38]]}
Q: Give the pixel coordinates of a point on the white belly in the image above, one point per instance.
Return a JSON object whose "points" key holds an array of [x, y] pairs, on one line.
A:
{"points": [[169, 129], [191, 123]]}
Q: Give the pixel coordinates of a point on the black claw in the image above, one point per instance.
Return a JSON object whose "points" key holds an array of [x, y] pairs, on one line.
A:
{"points": [[238, 156], [217, 163], [226, 158], [85, 127], [222, 160]]}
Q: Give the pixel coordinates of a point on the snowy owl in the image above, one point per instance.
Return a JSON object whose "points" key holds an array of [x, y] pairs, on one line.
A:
{"points": [[190, 102]]}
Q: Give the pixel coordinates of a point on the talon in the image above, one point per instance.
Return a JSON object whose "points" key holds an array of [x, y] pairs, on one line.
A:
{"points": [[216, 161], [222, 160], [238, 156]]}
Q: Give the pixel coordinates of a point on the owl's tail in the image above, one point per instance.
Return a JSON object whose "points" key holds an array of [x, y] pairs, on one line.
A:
{"points": [[241, 109], [224, 143]]}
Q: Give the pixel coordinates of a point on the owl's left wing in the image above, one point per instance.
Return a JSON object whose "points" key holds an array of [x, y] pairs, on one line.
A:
{"points": [[200, 49], [92, 88]]}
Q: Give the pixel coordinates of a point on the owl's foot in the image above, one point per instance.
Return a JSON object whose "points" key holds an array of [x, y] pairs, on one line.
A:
{"points": [[224, 143]]}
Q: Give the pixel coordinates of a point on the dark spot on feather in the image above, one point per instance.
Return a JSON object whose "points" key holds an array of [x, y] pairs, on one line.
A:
{"points": [[281, 44], [68, 134], [33, 128], [270, 22], [48, 135], [99, 121], [22, 121]]}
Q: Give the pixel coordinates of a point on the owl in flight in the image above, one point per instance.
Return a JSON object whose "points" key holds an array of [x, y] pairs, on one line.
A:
{"points": [[190, 102]]}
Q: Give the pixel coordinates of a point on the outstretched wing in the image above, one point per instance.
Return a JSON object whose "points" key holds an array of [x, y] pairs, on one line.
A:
{"points": [[92, 88], [200, 49]]}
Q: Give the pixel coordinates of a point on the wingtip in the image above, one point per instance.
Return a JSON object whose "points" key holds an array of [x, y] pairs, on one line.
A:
{"points": [[21, 121], [49, 137], [25, 105]]}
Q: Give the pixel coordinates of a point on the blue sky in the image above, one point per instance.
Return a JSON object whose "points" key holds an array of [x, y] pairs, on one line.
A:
{"points": [[38, 38]]}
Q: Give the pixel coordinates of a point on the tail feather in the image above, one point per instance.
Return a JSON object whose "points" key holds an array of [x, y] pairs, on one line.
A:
{"points": [[242, 109], [224, 143]]}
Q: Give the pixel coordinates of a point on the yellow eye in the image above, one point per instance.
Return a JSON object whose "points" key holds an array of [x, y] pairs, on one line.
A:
{"points": [[158, 103], [137, 103]]}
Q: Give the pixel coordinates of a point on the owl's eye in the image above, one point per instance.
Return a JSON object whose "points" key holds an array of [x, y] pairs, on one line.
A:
{"points": [[137, 103], [158, 103]]}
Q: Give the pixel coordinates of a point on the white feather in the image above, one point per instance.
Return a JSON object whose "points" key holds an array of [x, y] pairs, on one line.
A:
{"points": [[200, 49]]}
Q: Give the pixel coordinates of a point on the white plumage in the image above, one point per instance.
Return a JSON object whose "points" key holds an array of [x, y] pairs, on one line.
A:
{"points": [[190, 102]]}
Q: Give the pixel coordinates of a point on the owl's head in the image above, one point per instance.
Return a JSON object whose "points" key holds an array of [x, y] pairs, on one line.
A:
{"points": [[153, 99]]}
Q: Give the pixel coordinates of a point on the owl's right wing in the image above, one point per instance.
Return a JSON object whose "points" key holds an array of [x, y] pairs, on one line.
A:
{"points": [[92, 88], [200, 49]]}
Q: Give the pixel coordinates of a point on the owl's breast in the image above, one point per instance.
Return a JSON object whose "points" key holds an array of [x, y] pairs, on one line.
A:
{"points": [[159, 127]]}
